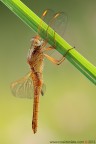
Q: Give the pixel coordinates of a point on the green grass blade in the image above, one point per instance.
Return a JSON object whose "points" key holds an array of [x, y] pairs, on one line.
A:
{"points": [[33, 21]]}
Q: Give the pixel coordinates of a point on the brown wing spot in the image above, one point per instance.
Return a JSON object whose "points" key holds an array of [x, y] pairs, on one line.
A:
{"points": [[45, 12], [56, 15]]}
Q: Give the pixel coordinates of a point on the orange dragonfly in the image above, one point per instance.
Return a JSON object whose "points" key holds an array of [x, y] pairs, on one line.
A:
{"points": [[32, 84]]}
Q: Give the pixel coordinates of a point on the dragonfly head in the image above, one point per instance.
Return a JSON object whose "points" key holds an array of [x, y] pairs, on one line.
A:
{"points": [[36, 41]]}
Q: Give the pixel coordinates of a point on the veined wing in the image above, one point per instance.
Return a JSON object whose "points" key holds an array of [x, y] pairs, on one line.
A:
{"points": [[58, 21], [23, 88], [46, 17]]}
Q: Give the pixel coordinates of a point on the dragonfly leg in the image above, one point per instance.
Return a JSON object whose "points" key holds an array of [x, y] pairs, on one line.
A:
{"points": [[49, 48], [55, 61], [44, 43]]}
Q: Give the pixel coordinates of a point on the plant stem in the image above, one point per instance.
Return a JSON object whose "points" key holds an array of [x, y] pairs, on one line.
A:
{"points": [[33, 21]]}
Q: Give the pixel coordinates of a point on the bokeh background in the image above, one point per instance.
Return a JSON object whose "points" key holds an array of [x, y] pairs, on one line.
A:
{"points": [[68, 109]]}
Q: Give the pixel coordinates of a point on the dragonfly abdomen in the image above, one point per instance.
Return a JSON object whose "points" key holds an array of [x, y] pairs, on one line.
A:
{"points": [[37, 83]]}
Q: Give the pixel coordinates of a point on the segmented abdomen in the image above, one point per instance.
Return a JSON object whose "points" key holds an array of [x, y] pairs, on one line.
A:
{"points": [[37, 82]]}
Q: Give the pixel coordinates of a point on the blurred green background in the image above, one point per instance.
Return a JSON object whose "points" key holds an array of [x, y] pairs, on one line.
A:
{"points": [[68, 109]]}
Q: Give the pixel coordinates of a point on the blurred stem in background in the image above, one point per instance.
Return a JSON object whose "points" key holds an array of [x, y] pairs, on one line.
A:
{"points": [[33, 21]]}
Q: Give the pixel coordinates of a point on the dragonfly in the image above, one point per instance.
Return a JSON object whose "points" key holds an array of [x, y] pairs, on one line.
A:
{"points": [[32, 85]]}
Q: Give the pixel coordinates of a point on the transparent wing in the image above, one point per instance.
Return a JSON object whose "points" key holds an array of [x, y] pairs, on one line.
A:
{"points": [[46, 17], [58, 21], [23, 88]]}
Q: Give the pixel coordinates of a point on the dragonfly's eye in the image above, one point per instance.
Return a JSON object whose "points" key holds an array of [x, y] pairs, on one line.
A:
{"points": [[36, 42]]}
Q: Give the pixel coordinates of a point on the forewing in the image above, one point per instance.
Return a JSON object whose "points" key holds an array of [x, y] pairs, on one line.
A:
{"points": [[58, 21], [23, 88], [46, 16]]}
